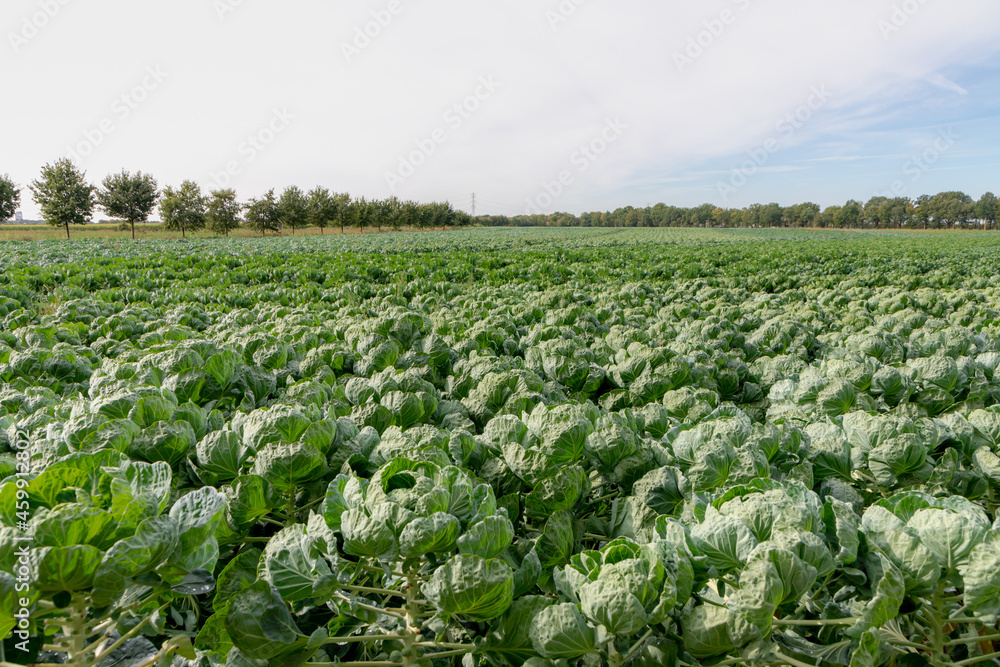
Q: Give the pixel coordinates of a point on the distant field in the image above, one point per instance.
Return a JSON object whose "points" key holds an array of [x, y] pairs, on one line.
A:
{"points": [[147, 231], [157, 232]]}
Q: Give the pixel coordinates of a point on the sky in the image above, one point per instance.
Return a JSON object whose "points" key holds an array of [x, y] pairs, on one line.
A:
{"points": [[536, 106]]}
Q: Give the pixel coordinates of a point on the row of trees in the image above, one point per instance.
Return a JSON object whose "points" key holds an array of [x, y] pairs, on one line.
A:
{"points": [[946, 210], [66, 198]]}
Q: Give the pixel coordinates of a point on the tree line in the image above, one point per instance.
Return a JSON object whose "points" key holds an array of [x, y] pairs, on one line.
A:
{"points": [[946, 210], [66, 198]]}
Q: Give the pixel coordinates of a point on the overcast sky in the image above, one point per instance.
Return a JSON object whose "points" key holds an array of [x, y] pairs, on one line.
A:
{"points": [[576, 105]]}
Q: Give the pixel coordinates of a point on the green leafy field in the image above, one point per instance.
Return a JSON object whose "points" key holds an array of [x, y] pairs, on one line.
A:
{"points": [[502, 447]]}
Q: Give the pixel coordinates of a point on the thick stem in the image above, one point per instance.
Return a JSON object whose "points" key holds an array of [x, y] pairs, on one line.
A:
{"points": [[374, 610], [373, 591], [128, 635], [448, 654], [785, 660], [978, 658], [410, 656], [937, 637], [364, 638], [972, 640], [290, 508], [822, 621], [638, 646]]}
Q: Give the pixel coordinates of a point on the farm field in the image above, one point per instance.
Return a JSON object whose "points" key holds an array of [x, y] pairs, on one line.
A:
{"points": [[502, 447]]}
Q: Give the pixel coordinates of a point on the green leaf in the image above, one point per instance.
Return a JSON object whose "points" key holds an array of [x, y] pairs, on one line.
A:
{"points": [[561, 632], [562, 491], [867, 652], [950, 535], [164, 441], [887, 596], [343, 493], [368, 534], [662, 490], [213, 637], [239, 574], [471, 586], [842, 526], [510, 636], [58, 569], [223, 367], [436, 533], [617, 609], [291, 566], [489, 538], [288, 466], [706, 631], [250, 498], [8, 599], [723, 540], [981, 575], [259, 622], [71, 523], [149, 410], [557, 542], [220, 456]]}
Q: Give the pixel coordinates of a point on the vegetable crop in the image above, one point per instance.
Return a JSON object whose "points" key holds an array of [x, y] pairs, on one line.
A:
{"points": [[544, 448]]}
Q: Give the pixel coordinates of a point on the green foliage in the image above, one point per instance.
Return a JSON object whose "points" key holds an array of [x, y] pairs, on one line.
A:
{"points": [[10, 198], [184, 209], [131, 197], [505, 449], [63, 194], [293, 208], [222, 214], [262, 214]]}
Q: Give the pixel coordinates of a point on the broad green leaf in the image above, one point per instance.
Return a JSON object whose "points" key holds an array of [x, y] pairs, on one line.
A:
{"points": [[436, 533], [561, 631], [71, 569], [259, 623], [489, 538], [950, 535], [723, 540], [287, 467], [220, 456], [291, 565], [472, 587], [510, 635]]}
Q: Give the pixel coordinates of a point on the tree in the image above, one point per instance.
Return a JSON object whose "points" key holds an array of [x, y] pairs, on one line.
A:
{"points": [[899, 211], [326, 209], [359, 212], [986, 209], [850, 215], [223, 214], [64, 195], [384, 211], [828, 218], [951, 208], [438, 214], [922, 210], [390, 212], [770, 215], [293, 208], [131, 197], [262, 214], [875, 212], [184, 209], [10, 198]]}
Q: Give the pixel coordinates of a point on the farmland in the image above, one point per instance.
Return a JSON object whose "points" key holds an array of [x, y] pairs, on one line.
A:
{"points": [[502, 447]]}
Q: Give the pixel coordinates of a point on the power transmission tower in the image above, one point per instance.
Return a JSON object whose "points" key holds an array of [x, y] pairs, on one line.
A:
{"points": [[473, 204]]}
